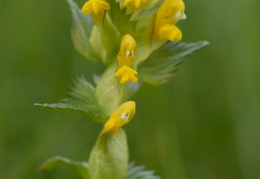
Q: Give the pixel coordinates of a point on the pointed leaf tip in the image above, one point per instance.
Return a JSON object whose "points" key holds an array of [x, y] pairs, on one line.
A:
{"points": [[80, 98], [164, 62]]}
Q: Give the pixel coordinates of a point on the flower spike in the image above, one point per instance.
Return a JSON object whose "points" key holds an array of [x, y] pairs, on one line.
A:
{"points": [[126, 58], [120, 117]]}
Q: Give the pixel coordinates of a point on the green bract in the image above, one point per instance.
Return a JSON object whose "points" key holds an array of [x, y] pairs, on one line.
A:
{"points": [[81, 98], [109, 157], [81, 31], [133, 172], [109, 92], [164, 62]]}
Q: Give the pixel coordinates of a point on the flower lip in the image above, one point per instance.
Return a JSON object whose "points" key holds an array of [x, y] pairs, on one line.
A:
{"points": [[127, 74]]}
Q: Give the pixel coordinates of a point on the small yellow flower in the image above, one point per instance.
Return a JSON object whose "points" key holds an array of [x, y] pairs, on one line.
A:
{"points": [[95, 6], [136, 3], [126, 58], [170, 12], [120, 117]]}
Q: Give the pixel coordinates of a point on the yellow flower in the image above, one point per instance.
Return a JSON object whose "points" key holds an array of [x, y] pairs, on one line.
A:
{"points": [[126, 58], [120, 117], [170, 12], [136, 3], [95, 6]]}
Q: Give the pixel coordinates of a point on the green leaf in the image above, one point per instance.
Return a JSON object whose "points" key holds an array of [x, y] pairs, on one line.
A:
{"points": [[81, 31], [110, 38], [164, 62], [109, 157], [138, 172], [120, 19], [81, 98], [79, 167]]}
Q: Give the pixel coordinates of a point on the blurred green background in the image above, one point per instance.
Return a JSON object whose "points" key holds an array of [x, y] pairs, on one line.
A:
{"points": [[205, 123]]}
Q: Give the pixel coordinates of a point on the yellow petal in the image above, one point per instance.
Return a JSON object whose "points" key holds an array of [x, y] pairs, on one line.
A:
{"points": [[126, 74], [133, 79], [115, 132], [170, 32], [95, 6]]}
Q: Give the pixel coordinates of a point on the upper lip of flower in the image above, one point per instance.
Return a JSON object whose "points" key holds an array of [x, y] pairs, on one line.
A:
{"points": [[95, 6]]}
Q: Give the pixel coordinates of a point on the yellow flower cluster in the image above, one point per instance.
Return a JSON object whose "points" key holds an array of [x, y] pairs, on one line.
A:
{"points": [[168, 14]]}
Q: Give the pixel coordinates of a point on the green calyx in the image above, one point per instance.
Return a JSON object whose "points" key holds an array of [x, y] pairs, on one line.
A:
{"points": [[109, 156]]}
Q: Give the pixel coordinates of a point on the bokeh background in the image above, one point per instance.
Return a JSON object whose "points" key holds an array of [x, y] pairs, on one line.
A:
{"points": [[204, 124]]}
